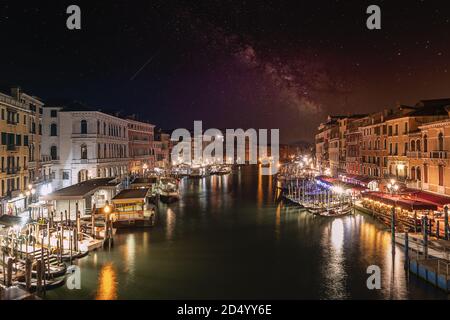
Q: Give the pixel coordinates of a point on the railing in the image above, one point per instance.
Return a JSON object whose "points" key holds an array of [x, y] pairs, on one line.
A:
{"points": [[11, 101], [414, 154], [11, 147], [13, 170], [438, 154]]}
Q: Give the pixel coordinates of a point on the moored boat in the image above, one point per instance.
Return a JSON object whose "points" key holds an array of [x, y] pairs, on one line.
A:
{"points": [[132, 208], [168, 190]]}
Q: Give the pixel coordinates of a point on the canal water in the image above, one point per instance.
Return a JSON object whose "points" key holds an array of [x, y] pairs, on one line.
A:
{"points": [[231, 237]]}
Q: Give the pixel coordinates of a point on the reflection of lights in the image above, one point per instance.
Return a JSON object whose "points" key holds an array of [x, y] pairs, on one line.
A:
{"points": [[337, 234], [170, 220], [107, 287]]}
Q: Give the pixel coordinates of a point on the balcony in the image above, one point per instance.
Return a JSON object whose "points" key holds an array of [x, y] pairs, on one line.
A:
{"points": [[414, 154], [13, 170], [11, 147], [11, 122], [438, 154]]}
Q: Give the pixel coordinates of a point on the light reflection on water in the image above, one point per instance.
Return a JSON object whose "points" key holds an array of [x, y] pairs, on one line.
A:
{"points": [[229, 237], [107, 283]]}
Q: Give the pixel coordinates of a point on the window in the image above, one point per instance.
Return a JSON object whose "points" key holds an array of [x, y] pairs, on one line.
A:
{"points": [[18, 140], [24, 119], [53, 130], [54, 153], [83, 151], [83, 127], [406, 128], [441, 142], [65, 175], [425, 144], [3, 114], [98, 127], [425, 173], [53, 113], [25, 140]]}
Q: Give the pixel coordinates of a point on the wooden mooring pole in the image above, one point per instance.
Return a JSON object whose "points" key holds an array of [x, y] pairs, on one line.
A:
{"points": [[446, 222], [28, 269], [425, 235], [406, 250], [393, 228], [9, 270]]}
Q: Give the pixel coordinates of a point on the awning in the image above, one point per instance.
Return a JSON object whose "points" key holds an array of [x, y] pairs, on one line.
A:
{"points": [[399, 201], [356, 179], [435, 199]]}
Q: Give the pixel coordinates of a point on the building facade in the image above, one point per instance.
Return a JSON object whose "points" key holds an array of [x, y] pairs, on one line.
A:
{"points": [[406, 143], [84, 144], [141, 146], [21, 129]]}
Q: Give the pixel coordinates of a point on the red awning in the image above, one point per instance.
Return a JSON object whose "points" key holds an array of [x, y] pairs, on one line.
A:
{"points": [[435, 199], [400, 201]]}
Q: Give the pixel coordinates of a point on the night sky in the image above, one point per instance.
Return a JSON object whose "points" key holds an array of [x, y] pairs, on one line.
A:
{"points": [[260, 64]]}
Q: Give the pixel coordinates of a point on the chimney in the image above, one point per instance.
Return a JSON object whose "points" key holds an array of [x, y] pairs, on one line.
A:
{"points": [[15, 92]]}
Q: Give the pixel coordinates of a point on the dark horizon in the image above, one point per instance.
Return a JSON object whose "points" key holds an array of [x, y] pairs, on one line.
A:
{"points": [[268, 65]]}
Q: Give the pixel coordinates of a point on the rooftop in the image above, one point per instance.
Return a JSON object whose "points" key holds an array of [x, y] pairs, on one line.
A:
{"points": [[131, 194], [81, 190]]}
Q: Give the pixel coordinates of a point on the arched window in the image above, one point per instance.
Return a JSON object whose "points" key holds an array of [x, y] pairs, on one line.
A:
{"points": [[418, 145], [441, 141], [425, 173], [413, 145], [83, 151], [54, 153], [83, 126], [425, 143], [418, 175], [53, 130]]}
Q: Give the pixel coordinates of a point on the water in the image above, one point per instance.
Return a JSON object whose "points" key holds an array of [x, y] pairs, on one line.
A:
{"points": [[229, 238]]}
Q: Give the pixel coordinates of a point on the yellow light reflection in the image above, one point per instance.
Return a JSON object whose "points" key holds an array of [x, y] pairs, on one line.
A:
{"points": [[107, 283], [170, 223]]}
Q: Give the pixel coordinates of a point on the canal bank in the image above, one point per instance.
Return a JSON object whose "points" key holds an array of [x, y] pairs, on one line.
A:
{"points": [[229, 237]]}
